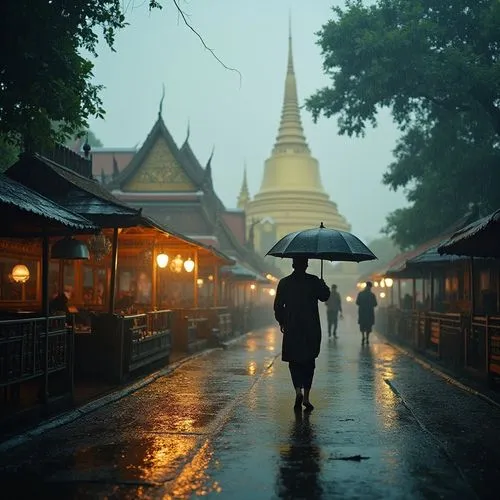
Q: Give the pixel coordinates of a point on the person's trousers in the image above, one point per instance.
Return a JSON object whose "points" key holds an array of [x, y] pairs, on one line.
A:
{"points": [[333, 320], [302, 373]]}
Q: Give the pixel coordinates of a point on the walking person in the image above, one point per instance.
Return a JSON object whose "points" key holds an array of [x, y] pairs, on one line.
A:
{"points": [[333, 309], [366, 302], [296, 311]]}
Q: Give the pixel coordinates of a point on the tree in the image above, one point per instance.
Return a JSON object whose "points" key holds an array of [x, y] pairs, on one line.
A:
{"points": [[44, 78], [8, 154], [436, 65]]}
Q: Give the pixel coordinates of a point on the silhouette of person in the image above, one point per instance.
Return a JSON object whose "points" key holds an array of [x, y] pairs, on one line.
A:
{"points": [[366, 302], [296, 311], [333, 309]]}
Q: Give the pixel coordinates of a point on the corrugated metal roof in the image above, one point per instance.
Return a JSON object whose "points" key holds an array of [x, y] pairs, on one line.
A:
{"points": [[17, 195], [481, 238]]}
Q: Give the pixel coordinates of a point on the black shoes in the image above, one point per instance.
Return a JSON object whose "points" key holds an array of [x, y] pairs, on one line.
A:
{"points": [[308, 406], [298, 402]]}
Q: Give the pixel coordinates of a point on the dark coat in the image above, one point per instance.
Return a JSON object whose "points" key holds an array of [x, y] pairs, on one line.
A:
{"points": [[296, 310], [366, 303]]}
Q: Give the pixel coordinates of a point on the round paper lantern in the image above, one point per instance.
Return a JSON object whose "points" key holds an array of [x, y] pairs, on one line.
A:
{"points": [[20, 273]]}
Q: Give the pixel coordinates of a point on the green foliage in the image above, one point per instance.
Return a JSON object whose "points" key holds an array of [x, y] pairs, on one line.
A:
{"points": [[45, 79], [436, 65], [8, 154]]}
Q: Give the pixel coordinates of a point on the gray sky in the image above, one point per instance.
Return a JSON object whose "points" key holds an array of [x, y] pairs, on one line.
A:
{"points": [[240, 121]]}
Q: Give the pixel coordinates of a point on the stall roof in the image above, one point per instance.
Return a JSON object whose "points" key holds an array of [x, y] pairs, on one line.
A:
{"points": [[26, 211], [149, 222], [481, 238], [241, 272], [73, 191]]}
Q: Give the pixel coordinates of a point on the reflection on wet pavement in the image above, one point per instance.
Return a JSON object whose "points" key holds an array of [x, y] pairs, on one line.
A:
{"points": [[222, 425]]}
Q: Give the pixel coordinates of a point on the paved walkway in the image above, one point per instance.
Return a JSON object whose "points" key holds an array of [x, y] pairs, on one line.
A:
{"points": [[222, 425]]}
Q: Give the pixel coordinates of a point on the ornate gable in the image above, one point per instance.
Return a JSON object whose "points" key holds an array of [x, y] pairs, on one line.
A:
{"points": [[159, 171]]}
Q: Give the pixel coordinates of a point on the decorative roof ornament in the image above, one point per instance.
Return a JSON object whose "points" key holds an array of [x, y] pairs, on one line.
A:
{"points": [[207, 180], [161, 101]]}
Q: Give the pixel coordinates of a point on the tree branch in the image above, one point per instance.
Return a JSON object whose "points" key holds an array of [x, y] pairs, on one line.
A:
{"points": [[186, 22]]}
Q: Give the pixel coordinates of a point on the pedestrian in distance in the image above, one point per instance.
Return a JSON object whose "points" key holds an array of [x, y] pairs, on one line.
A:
{"points": [[333, 309], [296, 311], [366, 302]]}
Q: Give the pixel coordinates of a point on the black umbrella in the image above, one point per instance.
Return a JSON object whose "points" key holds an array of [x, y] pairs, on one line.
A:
{"points": [[322, 243]]}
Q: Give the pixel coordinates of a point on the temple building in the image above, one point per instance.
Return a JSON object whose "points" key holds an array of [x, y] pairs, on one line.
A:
{"points": [[291, 196], [171, 186]]}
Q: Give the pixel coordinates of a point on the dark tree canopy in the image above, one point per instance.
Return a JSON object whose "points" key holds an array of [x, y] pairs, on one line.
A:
{"points": [[44, 78], [435, 64]]}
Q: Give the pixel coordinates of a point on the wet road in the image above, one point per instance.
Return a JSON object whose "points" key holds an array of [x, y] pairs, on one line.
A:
{"points": [[222, 425]]}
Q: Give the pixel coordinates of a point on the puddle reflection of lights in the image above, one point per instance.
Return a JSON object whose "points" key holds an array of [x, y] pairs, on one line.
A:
{"points": [[194, 480], [160, 455], [251, 345], [252, 368]]}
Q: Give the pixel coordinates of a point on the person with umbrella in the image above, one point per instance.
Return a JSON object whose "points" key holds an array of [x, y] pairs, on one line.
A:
{"points": [[296, 311], [366, 302]]}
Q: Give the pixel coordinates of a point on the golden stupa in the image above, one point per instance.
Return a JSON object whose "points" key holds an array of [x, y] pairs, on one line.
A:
{"points": [[291, 196]]}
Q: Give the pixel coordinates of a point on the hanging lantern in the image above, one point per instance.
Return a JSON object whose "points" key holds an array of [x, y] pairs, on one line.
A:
{"points": [[99, 246], [162, 260], [176, 264], [69, 249], [199, 282], [20, 273], [189, 265]]}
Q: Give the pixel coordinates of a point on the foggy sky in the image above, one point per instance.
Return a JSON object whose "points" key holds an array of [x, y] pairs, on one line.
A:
{"points": [[240, 120]]}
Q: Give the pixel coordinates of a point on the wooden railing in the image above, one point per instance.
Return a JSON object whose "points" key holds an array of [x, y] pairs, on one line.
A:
{"points": [[146, 338], [483, 344], [32, 347], [436, 333]]}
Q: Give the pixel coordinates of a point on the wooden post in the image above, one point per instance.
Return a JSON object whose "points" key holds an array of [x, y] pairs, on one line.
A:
{"points": [[216, 285], [154, 280], [114, 265], [471, 282], [46, 313], [195, 280], [432, 292]]}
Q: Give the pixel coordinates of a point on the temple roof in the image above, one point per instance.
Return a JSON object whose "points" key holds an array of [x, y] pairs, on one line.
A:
{"points": [[159, 130]]}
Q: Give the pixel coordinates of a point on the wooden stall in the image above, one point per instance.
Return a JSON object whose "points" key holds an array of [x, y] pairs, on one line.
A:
{"points": [[36, 347]]}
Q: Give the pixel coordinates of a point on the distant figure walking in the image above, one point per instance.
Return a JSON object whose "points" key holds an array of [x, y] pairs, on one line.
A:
{"points": [[366, 302], [296, 311], [333, 309]]}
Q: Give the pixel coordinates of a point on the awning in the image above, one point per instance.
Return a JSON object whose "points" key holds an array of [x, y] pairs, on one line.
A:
{"points": [[479, 239], [26, 212]]}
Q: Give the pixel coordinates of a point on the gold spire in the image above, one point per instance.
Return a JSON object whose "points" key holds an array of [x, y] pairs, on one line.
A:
{"points": [[290, 134], [244, 196]]}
